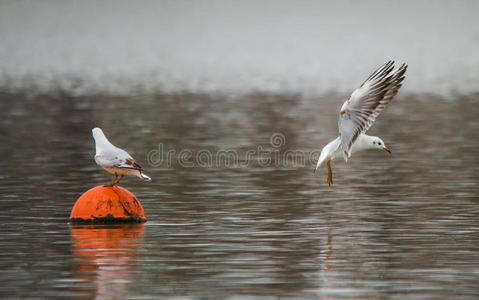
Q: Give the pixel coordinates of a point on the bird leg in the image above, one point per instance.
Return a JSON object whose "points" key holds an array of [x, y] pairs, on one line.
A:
{"points": [[119, 179], [113, 182], [330, 173]]}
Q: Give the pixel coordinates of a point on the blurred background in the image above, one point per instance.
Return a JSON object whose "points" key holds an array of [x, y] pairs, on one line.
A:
{"points": [[119, 47], [230, 75]]}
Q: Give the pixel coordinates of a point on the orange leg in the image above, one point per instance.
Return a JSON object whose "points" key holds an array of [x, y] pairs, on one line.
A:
{"points": [[119, 179], [330, 173], [113, 182]]}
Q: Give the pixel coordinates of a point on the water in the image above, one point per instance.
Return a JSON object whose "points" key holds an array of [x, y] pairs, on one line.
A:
{"points": [[391, 226]]}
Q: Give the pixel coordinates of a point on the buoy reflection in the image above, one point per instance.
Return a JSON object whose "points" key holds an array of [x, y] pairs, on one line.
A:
{"points": [[105, 255]]}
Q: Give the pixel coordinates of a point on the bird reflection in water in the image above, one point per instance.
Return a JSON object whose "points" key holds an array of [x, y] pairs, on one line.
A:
{"points": [[105, 255]]}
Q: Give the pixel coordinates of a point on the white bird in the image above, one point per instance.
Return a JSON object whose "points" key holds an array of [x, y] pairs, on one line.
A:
{"points": [[359, 112], [115, 160]]}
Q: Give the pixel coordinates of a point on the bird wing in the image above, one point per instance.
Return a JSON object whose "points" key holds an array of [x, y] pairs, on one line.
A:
{"points": [[129, 163], [104, 160], [126, 161], [363, 106], [117, 157]]}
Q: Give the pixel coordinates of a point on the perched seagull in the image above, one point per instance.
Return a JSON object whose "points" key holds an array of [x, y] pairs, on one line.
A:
{"points": [[358, 114], [115, 160]]}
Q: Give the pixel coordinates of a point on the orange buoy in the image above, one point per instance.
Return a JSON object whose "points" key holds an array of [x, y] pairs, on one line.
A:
{"points": [[104, 204]]}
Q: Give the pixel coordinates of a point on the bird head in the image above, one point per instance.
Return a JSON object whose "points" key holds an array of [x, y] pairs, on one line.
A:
{"points": [[97, 133], [377, 143]]}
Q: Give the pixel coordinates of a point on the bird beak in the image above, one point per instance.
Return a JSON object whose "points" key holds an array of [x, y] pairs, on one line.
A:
{"points": [[387, 149]]}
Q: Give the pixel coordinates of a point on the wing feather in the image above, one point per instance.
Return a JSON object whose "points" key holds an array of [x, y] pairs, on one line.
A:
{"points": [[129, 163], [360, 111], [116, 157]]}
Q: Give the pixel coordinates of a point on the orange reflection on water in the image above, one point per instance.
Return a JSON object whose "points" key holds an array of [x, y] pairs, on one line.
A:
{"points": [[105, 255]]}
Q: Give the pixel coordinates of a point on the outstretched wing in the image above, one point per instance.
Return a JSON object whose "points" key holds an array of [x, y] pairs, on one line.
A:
{"points": [[363, 106]]}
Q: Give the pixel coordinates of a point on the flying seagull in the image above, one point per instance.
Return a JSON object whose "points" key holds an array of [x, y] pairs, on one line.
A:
{"points": [[115, 160], [359, 112]]}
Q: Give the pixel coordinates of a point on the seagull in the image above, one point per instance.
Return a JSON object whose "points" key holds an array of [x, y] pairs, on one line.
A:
{"points": [[115, 160], [359, 112]]}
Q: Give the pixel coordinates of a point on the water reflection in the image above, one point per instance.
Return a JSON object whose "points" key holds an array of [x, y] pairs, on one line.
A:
{"points": [[105, 257], [402, 224]]}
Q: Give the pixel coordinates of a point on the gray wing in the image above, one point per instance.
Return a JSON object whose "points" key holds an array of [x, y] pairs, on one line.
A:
{"points": [[117, 157], [363, 106]]}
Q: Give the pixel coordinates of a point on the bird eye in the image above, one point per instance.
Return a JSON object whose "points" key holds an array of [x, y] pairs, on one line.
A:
{"points": [[374, 143], [379, 143]]}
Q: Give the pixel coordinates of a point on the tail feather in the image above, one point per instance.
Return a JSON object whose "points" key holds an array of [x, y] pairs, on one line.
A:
{"points": [[144, 177], [328, 151], [322, 158], [346, 155]]}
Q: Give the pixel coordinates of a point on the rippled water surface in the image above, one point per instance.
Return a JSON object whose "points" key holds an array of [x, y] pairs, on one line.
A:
{"points": [[263, 227]]}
